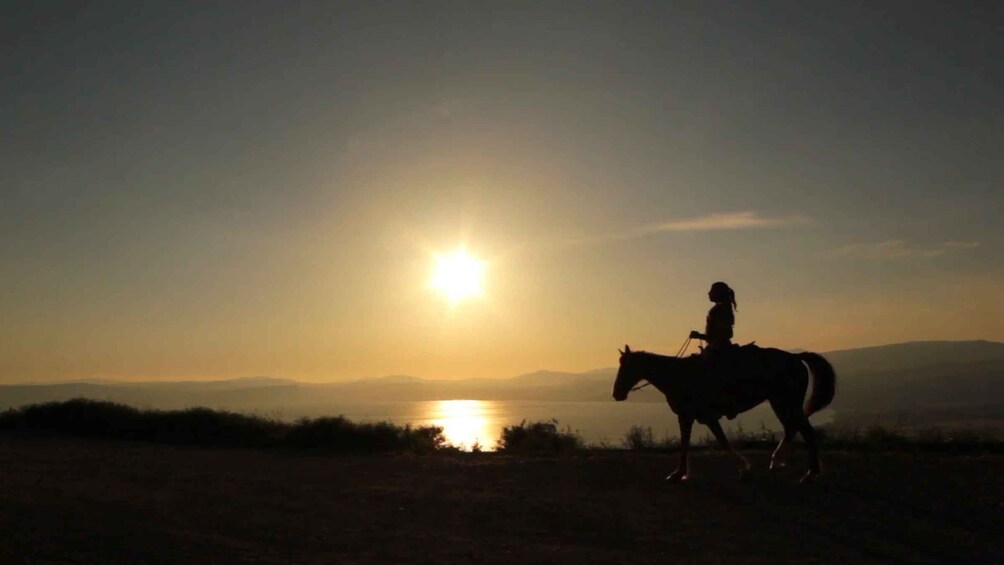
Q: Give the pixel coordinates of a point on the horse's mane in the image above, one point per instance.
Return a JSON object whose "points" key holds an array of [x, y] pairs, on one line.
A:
{"points": [[658, 356]]}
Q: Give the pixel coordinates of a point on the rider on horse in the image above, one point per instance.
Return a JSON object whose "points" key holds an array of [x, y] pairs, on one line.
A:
{"points": [[718, 326], [718, 335]]}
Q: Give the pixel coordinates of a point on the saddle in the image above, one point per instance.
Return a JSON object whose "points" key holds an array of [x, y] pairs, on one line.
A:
{"points": [[732, 351]]}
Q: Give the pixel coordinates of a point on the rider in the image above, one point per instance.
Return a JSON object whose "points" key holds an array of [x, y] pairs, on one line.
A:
{"points": [[718, 326], [718, 334]]}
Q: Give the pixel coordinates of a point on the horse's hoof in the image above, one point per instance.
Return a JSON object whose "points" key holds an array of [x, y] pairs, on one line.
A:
{"points": [[677, 477]]}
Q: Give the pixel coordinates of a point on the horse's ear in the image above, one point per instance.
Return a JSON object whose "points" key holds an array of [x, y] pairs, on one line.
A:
{"points": [[621, 352], [627, 349]]}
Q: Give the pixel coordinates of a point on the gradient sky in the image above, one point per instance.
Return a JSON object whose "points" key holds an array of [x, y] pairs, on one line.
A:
{"points": [[210, 190]]}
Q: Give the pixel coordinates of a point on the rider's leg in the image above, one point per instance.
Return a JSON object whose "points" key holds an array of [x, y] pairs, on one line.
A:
{"points": [[731, 396], [720, 361]]}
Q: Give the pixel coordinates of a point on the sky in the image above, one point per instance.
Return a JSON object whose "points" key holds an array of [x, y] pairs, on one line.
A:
{"points": [[195, 190]]}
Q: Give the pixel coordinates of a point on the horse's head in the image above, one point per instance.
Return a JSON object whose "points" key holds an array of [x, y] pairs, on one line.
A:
{"points": [[628, 375]]}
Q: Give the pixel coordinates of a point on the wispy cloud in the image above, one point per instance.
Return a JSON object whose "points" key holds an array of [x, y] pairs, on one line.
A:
{"points": [[960, 244], [713, 222], [730, 221], [897, 248]]}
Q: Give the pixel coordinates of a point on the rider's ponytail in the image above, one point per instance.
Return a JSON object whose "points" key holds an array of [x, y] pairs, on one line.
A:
{"points": [[720, 288]]}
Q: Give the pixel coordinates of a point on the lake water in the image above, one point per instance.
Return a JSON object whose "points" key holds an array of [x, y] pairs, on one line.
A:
{"points": [[466, 422]]}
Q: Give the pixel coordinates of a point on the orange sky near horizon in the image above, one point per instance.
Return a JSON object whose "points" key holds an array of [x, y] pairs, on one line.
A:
{"points": [[270, 197]]}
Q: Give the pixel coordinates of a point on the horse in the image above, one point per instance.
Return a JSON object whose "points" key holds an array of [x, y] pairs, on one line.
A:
{"points": [[695, 390]]}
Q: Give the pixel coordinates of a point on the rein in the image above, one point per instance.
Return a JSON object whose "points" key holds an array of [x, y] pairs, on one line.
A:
{"points": [[679, 352]]}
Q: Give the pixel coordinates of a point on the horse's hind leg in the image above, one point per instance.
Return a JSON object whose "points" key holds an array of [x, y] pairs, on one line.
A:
{"points": [[777, 459], [723, 441], [787, 419], [809, 435]]}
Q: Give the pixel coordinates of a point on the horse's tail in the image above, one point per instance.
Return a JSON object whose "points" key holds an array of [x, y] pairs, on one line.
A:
{"points": [[824, 382]]}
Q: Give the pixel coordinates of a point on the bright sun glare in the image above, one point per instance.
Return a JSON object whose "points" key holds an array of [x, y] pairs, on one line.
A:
{"points": [[465, 423], [458, 276]]}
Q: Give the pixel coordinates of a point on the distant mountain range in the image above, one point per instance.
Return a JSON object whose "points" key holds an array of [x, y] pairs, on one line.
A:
{"points": [[951, 378]]}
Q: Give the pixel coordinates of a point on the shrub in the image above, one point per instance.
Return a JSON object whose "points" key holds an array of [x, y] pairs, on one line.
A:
{"points": [[538, 437], [203, 426], [77, 417], [341, 434], [877, 437], [639, 438]]}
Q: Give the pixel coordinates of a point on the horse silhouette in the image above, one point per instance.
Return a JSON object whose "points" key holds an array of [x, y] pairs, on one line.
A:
{"points": [[695, 390]]}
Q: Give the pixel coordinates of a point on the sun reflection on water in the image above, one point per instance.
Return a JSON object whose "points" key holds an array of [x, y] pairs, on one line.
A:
{"points": [[465, 423]]}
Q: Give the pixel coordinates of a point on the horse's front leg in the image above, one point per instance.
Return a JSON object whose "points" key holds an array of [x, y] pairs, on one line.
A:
{"points": [[680, 474], [716, 429]]}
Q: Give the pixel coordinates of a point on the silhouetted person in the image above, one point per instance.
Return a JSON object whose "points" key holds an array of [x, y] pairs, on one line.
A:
{"points": [[718, 336], [721, 318]]}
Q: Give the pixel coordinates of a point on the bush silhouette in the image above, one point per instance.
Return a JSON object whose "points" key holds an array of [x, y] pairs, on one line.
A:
{"points": [[203, 426], [77, 417], [538, 437], [639, 438], [343, 435]]}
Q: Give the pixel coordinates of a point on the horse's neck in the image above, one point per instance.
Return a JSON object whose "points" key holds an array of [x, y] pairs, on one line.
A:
{"points": [[664, 372]]}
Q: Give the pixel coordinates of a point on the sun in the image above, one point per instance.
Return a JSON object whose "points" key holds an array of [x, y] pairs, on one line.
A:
{"points": [[458, 276]]}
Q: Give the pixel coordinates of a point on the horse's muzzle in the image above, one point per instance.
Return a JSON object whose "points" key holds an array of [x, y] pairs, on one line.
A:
{"points": [[619, 396]]}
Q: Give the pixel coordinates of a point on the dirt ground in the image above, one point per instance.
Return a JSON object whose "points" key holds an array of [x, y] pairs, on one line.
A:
{"points": [[64, 501]]}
